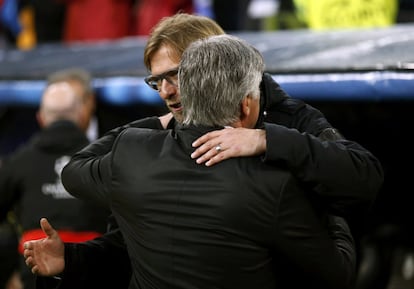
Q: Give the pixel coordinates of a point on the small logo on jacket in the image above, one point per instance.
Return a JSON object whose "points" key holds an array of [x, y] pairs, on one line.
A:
{"points": [[56, 190]]}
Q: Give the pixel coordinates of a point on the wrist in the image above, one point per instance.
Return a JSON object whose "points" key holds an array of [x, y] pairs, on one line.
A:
{"points": [[261, 141]]}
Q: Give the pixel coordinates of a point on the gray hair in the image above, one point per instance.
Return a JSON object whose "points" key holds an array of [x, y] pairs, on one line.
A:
{"points": [[215, 75]]}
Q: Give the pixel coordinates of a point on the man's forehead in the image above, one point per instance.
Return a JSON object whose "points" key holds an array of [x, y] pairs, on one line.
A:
{"points": [[163, 60], [78, 87], [165, 71]]}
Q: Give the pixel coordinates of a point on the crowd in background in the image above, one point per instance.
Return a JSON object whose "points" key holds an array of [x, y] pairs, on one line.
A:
{"points": [[27, 23]]}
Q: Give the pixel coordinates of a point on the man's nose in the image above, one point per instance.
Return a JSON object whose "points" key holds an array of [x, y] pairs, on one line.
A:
{"points": [[167, 89]]}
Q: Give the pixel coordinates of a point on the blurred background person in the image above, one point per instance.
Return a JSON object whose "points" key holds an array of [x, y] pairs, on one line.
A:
{"points": [[30, 181], [81, 82]]}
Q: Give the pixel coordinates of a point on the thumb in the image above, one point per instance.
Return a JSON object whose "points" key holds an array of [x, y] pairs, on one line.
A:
{"points": [[47, 228]]}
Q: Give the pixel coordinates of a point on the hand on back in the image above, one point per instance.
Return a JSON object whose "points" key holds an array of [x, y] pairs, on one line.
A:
{"points": [[220, 145]]}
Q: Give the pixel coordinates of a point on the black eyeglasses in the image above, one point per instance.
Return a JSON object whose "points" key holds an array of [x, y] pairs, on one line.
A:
{"points": [[155, 81]]}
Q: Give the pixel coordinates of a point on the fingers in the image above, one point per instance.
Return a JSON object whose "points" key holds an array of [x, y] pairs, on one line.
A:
{"points": [[212, 156], [206, 139], [220, 145], [35, 269], [28, 251], [215, 159], [30, 261], [208, 145], [27, 245], [209, 153], [47, 228], [213, 147]]}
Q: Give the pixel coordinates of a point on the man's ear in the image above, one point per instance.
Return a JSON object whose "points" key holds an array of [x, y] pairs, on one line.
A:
{"points": [[249, 111], [92, 102], [40, 119], [245, 107]]}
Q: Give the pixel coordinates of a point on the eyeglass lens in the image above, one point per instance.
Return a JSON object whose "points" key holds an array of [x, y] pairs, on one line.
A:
{"points": [[155, 82]]}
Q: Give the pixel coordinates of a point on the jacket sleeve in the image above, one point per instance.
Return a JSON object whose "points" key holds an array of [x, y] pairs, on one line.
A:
{"points": [[346, 175], [104, 144], [87, 176], [88, 173], [298, 136], [308, 243], [103, 262]]}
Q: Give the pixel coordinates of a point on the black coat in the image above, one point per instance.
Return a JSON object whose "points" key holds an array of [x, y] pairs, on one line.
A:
{"points": [[190, 226], [30, 182], [298, 136]]}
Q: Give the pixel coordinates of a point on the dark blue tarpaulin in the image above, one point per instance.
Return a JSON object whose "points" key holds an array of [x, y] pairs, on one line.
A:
{"points": [[363, 64]]}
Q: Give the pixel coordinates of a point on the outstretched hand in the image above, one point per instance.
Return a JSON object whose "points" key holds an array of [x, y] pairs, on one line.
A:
{"points": [[45, 256], [219, 145]]}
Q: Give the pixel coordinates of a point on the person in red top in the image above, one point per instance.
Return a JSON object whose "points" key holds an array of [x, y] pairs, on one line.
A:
{"points": [[94, 20], [150, 12]]}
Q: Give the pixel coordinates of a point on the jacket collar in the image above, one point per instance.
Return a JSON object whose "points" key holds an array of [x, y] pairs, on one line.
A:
{"points": [[271, 95]]}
